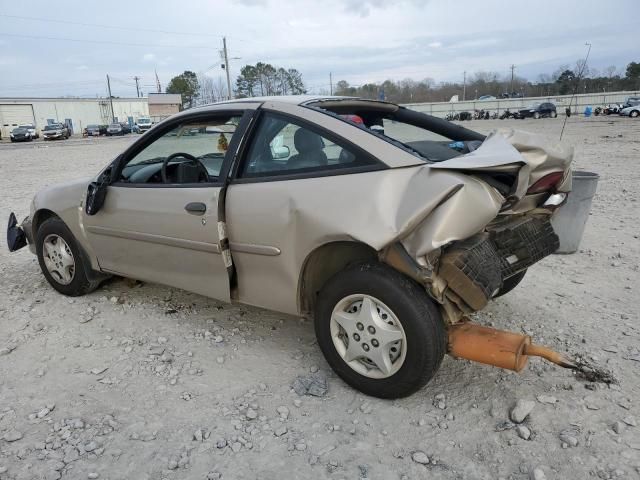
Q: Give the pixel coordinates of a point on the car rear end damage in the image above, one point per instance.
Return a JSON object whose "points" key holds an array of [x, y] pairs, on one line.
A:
{"points": [[494, 226]]}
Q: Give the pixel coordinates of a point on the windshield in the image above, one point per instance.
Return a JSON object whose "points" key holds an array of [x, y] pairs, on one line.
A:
{"points": [[144, 121], [91, 127], [18, 130], [114, 125], [52, 127]]}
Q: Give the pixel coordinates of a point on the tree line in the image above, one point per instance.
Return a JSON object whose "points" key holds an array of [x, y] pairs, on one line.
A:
{"points": [[263, 79], [564, 80]]}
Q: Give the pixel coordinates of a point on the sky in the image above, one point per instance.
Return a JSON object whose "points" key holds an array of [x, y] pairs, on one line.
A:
{"points": [[68, 50]]}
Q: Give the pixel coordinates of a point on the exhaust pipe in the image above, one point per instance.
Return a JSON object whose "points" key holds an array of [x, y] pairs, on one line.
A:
{"points": [[499, 348]]}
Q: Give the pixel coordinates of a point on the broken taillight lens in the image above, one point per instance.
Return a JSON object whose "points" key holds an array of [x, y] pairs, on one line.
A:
{"points": [[546, 183]]}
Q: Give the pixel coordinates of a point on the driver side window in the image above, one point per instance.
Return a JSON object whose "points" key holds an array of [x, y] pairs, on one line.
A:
{"points": [[190, 153]]}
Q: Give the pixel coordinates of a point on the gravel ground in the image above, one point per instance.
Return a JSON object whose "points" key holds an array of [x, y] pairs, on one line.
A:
{"points": [[140, 381]]}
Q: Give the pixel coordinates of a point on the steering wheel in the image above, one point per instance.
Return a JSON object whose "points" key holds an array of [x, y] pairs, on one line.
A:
{"points": [[189, 157]]}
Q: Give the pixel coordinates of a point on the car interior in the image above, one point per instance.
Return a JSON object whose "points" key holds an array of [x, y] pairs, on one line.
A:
{"points": [[431, 139], [189, 153]]}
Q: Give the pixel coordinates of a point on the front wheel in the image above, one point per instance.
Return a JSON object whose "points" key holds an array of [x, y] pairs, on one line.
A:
{"points": [[536, 115], [379, 330], [61, 259], [634, 113], [553, 114]]}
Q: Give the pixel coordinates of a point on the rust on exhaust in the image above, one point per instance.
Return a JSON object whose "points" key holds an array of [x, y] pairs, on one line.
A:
{"points": [[498, 348]]}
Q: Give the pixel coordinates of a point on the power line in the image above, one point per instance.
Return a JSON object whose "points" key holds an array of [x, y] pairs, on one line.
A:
{"points": [[137, 29], [103, 41]]}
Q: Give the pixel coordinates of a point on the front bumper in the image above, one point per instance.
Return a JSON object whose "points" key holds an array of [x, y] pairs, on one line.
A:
{"points": [[54, 135]]}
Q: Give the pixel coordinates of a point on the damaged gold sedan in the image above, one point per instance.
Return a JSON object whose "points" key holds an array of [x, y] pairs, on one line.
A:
{"points": [[389, 226]]}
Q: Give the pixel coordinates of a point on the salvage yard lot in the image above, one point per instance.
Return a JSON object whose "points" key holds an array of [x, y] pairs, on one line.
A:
{"points": [[142, 381]]}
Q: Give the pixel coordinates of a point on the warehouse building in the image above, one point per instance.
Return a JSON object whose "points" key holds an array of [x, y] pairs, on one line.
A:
{"points": [[163, 105], [76, 112]]}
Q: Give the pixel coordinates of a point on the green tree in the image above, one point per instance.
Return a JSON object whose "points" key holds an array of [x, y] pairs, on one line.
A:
{"points": [[265, 79], [187, 85], [566, 82]]}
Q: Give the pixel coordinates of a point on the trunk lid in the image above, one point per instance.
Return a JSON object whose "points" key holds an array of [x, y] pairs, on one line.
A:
{"points": [[512, 161]]}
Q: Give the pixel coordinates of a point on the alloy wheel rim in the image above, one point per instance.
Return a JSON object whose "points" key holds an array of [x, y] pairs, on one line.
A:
{"points": [[368, 336], [58, 259]]}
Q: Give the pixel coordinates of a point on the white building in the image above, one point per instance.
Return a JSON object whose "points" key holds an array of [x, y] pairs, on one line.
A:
{"points": [[79, 112]]}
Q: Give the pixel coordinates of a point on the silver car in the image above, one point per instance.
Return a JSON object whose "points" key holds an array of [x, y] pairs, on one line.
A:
{"points": [[389, 226]]}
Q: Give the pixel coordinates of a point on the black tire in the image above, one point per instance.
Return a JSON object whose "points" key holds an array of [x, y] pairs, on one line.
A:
{"points": [[634, 113], [420, 318], [536, 115], [510, 283], [81, 283], [553, 114]]}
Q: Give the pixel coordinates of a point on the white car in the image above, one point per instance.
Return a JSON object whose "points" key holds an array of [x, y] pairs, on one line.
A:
{"points": [[632, 111], [33, 131]]}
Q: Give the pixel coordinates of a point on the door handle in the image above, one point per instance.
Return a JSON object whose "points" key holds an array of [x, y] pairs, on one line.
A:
{"points": [[196, 208]]}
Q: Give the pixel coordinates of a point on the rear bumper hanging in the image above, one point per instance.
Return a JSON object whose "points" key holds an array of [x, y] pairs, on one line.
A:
{"points": [[474, 269]]}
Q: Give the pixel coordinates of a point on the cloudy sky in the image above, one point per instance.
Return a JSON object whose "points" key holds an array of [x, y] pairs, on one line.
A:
{"points": [[67, 47]]}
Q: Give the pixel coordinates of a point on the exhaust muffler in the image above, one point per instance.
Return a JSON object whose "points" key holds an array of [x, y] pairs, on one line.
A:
{"points": [[499, 348]]}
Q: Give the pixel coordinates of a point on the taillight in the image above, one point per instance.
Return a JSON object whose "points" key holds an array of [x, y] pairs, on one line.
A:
{"points": [[546, 183]]}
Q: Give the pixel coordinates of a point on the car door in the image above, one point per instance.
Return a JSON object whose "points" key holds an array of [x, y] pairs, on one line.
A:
{"points": [[289, 166], [163, 226]]}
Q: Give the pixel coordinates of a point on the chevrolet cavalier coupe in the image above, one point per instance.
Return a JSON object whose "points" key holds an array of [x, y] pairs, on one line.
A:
{"points": [[388, 225]]}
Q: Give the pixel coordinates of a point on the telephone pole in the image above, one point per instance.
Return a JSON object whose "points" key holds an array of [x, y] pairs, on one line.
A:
{"points": [[513, 67], [110, 98], [136, 78], [330, 83], [226, 66], [158, 87], [464, 85]]}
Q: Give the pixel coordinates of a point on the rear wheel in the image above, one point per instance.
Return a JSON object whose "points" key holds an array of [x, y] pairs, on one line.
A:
{"points": [[553, 114], [379, 330], [634, 113], [510, 283], [61, 259], [536, 115]]}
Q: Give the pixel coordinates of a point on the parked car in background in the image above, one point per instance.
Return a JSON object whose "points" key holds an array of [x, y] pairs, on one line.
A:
{"points": [[96, 130], [20, 134], [538, 110], [631, 102], [115, 129], [33, 131], [125, 127], [55, 131], [144, 124], [421, 234], [486, 97], [633, 111]]}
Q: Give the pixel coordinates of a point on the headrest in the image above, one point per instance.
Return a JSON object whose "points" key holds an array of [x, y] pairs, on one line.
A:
{"points": [[307, 141]]}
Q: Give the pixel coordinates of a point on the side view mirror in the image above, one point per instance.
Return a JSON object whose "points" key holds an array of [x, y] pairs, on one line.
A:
{"points": [[97, 192]]}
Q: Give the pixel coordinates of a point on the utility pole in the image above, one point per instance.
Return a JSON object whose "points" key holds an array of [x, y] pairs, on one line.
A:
{"points": [[158, 87], [513, 67], [464, 85], [136, 78], [110, 98], [330, 83], [226, 66]]}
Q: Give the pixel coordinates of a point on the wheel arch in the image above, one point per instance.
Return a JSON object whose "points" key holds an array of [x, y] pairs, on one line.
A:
{"points": [[39, 217], [323, 263]]}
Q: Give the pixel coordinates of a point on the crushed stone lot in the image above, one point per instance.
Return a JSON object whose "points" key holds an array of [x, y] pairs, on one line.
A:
{"points": [[141, 381]]}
